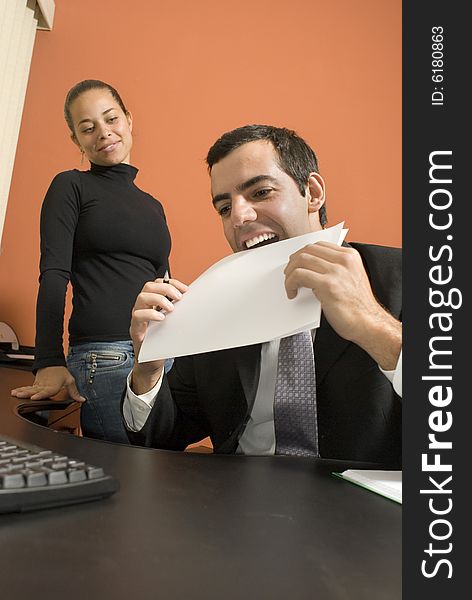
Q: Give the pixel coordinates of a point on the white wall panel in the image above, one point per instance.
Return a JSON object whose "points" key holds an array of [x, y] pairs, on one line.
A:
{"points": [[18, 24]]}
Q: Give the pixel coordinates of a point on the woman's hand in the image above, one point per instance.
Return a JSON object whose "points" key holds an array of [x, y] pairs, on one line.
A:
{"points": [[48, 382]]}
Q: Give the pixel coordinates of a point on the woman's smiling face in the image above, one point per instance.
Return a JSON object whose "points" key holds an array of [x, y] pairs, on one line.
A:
{"points": [[101, 129]]}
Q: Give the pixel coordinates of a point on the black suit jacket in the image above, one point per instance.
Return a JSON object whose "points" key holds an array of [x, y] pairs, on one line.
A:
{"points": [[359, 415]]}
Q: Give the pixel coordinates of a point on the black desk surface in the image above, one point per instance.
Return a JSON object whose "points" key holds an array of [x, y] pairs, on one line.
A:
{"points": [[199, 526]]}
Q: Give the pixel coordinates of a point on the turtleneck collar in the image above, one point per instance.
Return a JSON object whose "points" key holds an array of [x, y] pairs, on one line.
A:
{"points": [[120, 171]]}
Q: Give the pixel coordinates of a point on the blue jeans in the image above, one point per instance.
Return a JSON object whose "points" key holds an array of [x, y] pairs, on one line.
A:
{"points": [[100, 370]]}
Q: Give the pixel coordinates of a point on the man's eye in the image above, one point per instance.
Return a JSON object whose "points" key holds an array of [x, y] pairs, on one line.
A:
{"points": [[112, 119], [87, 130], [224, 211], [262, 193]]}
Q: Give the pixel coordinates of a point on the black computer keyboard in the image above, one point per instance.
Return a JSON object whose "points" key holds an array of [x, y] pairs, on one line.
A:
{"points": [[32, 478]]}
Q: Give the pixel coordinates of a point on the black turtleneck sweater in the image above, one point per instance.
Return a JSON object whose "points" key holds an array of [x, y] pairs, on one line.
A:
{"points": [[108, 238]]}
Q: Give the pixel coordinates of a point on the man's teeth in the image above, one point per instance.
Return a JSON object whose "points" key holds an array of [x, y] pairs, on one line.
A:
{"points": [[259, 238]]}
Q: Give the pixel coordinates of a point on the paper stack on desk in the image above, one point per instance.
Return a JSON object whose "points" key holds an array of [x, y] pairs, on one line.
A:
{"points": [[385, 483], [239, 301]]}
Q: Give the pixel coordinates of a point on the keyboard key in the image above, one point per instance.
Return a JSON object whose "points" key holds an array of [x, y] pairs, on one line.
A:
{"points": [[75, 475], [12, 480], [56, 477], [94, 472], [33, 478]]}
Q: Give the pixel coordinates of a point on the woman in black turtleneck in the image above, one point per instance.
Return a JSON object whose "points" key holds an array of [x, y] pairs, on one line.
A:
{"points": [[107, 237]]}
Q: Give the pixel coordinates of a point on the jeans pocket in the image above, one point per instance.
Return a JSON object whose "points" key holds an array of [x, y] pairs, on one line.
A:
{"points": [[104, 361]]}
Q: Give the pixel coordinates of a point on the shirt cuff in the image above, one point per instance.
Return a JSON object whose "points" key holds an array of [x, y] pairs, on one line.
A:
{"points": [[395, 376], [136, 408]]}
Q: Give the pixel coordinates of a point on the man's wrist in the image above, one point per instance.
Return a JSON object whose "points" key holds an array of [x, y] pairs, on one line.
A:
{"points": [[381, 337], [143, 378]]}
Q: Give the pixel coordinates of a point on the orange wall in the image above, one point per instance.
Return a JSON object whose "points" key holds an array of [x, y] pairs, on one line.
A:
{"points": [[330, 69]]}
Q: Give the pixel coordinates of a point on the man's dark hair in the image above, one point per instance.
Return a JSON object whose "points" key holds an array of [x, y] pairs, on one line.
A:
{"points": [[85, 86], [295, 157]]}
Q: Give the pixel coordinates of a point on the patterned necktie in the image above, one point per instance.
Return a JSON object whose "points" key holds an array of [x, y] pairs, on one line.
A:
{"points": [[296, 430]]}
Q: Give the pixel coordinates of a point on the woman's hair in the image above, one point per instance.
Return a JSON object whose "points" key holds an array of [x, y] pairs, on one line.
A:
{"points": [[85, 86]]}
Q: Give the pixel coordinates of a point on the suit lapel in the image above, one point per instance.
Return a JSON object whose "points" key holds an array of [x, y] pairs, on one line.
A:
{"points": [[327, 348], [248, 361]]}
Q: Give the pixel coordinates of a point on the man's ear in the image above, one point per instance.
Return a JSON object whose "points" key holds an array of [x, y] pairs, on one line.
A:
{"points": [[315, 192]]}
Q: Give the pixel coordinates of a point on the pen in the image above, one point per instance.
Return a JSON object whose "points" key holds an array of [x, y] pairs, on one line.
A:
{"points": [[165, 279]]}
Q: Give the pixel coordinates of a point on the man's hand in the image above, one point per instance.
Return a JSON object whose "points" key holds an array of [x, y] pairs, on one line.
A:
{"points": [[48, 382], [154, 301], [338, 279]]}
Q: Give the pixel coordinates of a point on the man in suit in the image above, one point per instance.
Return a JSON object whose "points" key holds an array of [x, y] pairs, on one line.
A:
{"points": [[266, 187]]}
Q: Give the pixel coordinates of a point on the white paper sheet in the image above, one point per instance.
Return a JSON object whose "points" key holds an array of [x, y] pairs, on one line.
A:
{"points": [[386, 483], [239, 301]]}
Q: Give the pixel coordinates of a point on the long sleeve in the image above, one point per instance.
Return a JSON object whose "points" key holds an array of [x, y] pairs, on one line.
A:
{"points": [[59, 216], [395, 376], [136, 409]]}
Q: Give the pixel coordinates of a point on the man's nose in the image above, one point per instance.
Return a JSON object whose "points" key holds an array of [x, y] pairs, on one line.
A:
{"points": [[242, 212]]}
